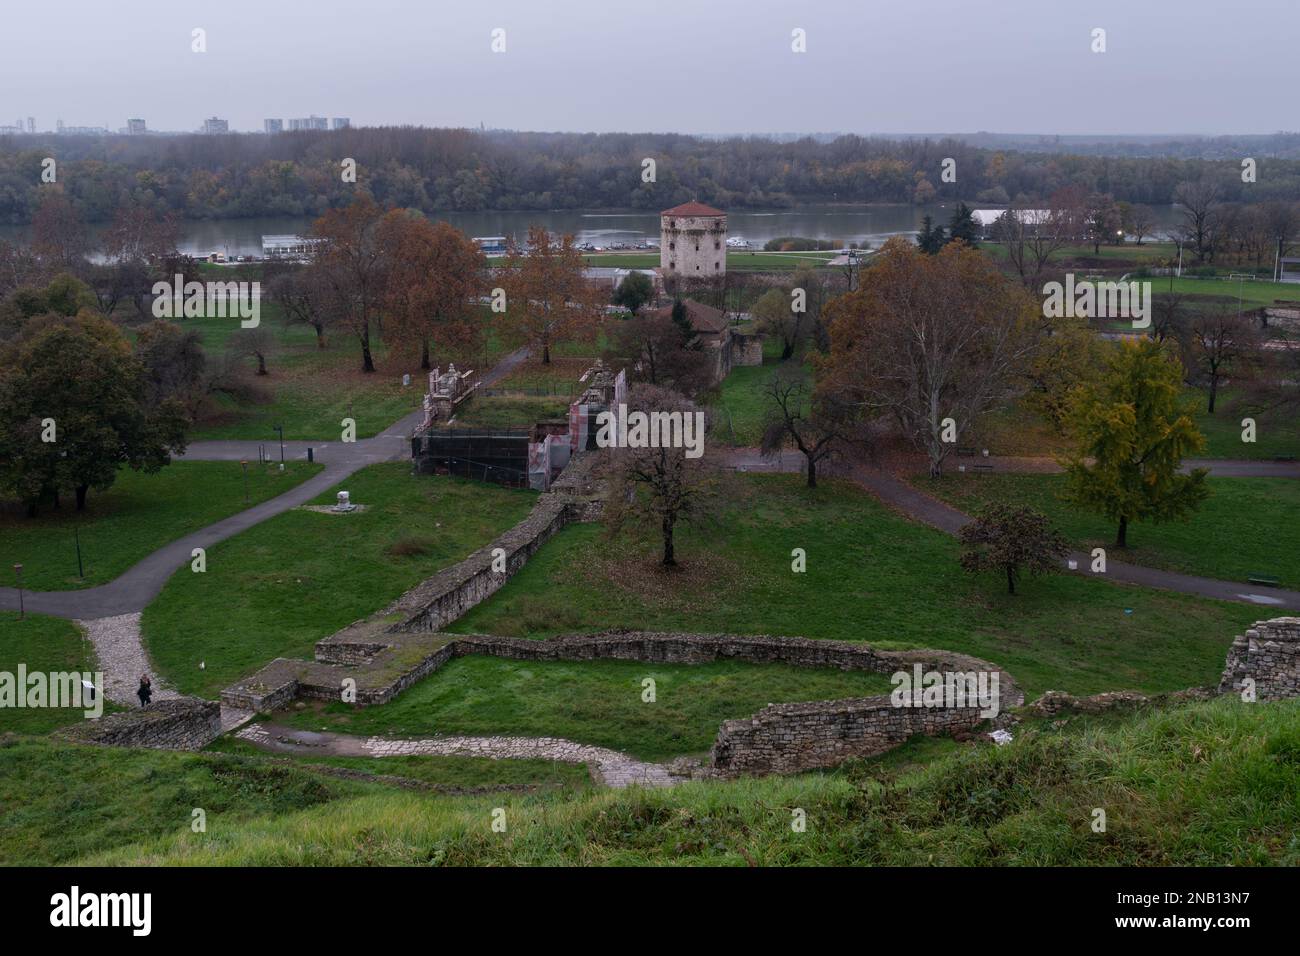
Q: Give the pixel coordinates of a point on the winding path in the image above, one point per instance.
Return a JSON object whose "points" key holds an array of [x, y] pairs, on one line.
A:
{"points": [[132, 590], [917, 505], [608, 767]]}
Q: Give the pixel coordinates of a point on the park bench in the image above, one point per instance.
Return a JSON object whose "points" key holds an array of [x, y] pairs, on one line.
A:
{"points": [[965, 451], [1266, 580], [983, 467], [1284, 458]]}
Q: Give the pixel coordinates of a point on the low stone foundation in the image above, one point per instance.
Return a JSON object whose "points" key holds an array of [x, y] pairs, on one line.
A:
{"points": [[1055, 702], [1267, 654], [783, 738], [179, 723], [789, 738]]}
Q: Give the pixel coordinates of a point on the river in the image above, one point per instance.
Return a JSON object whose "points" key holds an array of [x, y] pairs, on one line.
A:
{"points": [[865, 224]]}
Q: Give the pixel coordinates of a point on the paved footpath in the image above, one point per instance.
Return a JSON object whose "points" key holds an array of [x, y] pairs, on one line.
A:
{"points": [[132, 590], [608, 767], [917, 505]]}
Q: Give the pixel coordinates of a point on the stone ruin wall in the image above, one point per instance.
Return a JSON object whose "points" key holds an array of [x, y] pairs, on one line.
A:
{"points": [[1268, 654], [179, 723]]}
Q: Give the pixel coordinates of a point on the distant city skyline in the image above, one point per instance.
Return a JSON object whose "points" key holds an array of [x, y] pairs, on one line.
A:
{"points": [[1189, 67]]}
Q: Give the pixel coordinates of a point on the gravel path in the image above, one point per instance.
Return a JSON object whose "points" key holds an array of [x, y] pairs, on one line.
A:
{"points": [[122, 658], [609, 768]]}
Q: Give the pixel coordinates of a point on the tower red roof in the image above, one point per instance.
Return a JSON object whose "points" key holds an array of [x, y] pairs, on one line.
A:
{"points": [[692, 208]]}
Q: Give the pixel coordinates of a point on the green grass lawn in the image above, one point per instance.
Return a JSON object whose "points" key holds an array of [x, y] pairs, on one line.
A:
{"points": [[61, 801], [1208, 784], [1276, 434], [136, 516], [742, 404], [872, 576], [592, 702], [1246, 525], [1253, 293], [49, 645], [458, 772], [277, 588]]}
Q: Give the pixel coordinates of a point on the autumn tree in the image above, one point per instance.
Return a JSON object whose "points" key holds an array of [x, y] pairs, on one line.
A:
{"points": [[432, 284], [932, 341], [1069, 354], [548, 298], [349, 265], [255, 343], [1008, 540], [660, 487], [1130, 430], [137, 235], [58, 236]]}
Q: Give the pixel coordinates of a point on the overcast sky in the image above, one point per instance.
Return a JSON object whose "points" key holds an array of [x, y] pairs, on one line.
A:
{"points": [[693, 66]]}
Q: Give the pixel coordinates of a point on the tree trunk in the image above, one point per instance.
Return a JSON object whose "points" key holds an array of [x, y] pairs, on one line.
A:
{"points": [[367, 360], [669, 560], [1121, 539], [261, 364], [81, 496], [320, 334], [546, 353], [812, 472], [424, 356], [786, 351], [1011, 579], [1214, 389]]}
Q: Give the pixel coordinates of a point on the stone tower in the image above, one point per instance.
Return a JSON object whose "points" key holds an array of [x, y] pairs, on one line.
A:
{"points": [[692, 242]]}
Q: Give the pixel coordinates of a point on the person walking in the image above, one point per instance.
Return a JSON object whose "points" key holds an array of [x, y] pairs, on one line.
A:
{"points": [[145, 691]]}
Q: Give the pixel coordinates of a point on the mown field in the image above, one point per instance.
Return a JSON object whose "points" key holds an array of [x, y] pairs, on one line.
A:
{"points": [[871, 576], [1247, 525], [277, 588], [137, 515]]}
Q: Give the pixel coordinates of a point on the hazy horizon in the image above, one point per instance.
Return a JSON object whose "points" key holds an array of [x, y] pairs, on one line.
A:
{"points": [[1171, 67]]}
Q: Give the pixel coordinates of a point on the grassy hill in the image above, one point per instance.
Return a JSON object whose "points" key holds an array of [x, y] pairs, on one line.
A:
{"points": [[1209, 783]]}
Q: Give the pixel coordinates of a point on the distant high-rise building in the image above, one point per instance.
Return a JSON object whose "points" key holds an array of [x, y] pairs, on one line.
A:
{"points": [[31, 124], [213, 126], [58, 126], [311, 122], [340, 122], [273, 125], [136, 127]]}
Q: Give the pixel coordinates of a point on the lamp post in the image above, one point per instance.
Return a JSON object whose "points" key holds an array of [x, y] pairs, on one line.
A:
{"points": [[244, 464], [18, 573], [280, 429], [81, 573]]}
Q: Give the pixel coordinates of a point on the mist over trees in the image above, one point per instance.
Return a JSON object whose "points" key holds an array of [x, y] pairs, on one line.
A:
{"points": [[297, 174]]}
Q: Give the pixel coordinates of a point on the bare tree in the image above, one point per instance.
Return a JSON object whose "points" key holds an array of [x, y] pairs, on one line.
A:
{"points": [[660, 487], [819, 427], [1032, 238], [1199, 202], [1218, 341], [256, 342]]}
